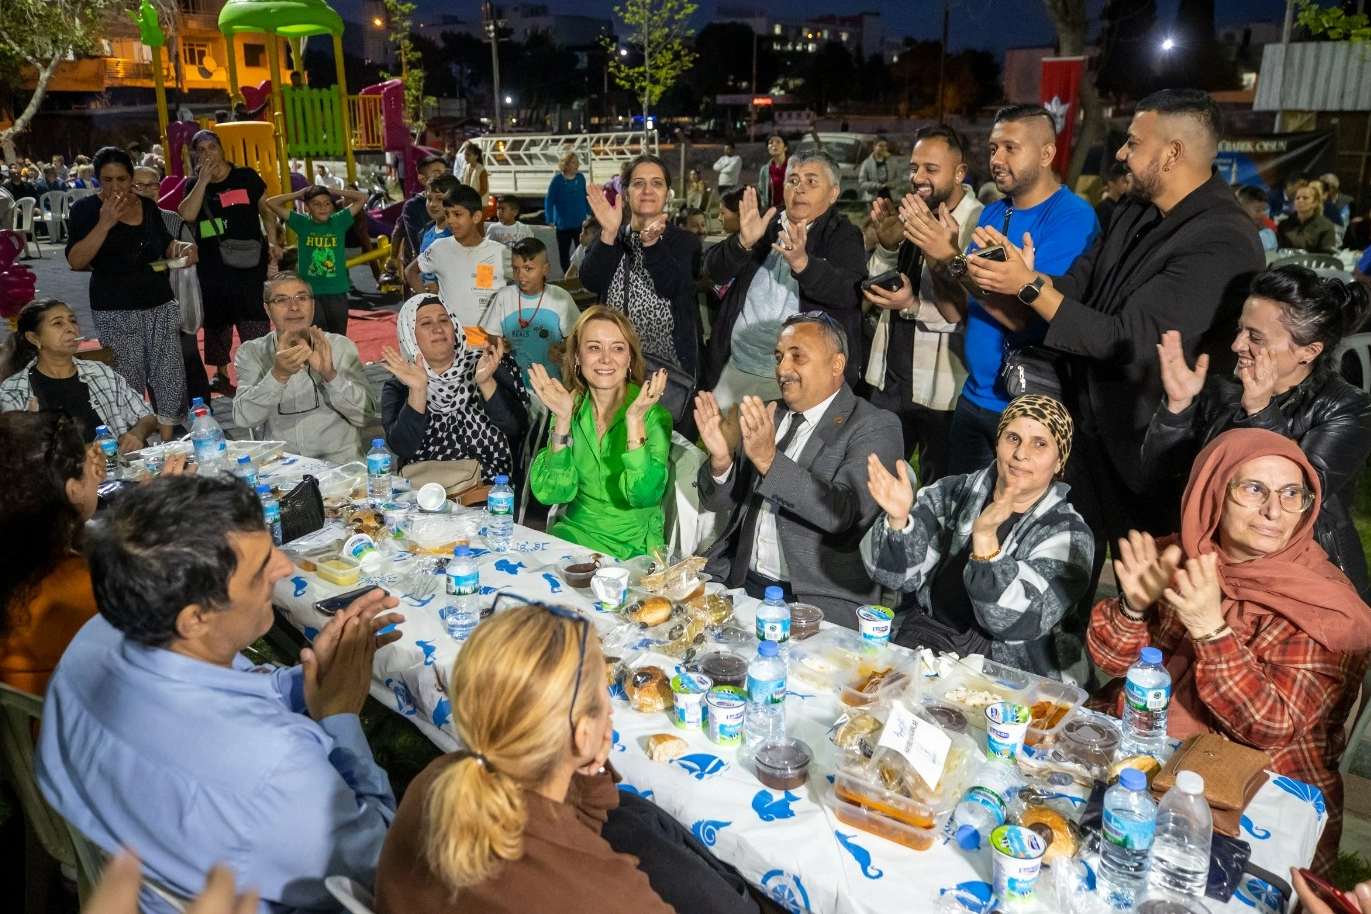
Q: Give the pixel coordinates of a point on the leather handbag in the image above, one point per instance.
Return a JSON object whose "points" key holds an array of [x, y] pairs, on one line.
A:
{"points": [[1033, 370], [679, 395], [455, 476], [1232, 774], [302, 510]]}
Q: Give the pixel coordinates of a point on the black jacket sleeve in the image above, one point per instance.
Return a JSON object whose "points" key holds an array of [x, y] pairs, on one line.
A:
{"points": [[506, 408], [404, 427], [837, 265], [597, 270]]}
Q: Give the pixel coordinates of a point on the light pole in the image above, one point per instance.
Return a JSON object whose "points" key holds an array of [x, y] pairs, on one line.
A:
{"points": [[492, 24]]}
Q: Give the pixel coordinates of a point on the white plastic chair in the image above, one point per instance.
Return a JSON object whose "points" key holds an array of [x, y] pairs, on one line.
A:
{"points": [[349, 894], [91, 861], [539, 421], [1358, 345], [22, 222], [689, 529], [53, 219]]}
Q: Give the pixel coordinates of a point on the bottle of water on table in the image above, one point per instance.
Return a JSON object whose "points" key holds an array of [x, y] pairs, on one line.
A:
{"points": [[271, 511], [500, 525], [379, 462], [764, 713], [985, 806], [773, 620], [246, 470], [1128, 829], [1147, 695], [211, 450], [110, 447], [463, 609], [1185, 831]]}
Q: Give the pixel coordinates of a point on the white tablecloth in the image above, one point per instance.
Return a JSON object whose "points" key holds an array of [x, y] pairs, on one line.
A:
{"points": [[786, 843]]}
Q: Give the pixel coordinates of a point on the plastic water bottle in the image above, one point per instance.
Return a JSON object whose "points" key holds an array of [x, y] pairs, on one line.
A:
{"points": [[500, 526], [1185, 830], [773, 620], [985, 806], [211, 450], [246, 470], [379, 462], [463, 609], [1129, 826], [105, 438], [764, 714], [271, 511], [1147, 695]]}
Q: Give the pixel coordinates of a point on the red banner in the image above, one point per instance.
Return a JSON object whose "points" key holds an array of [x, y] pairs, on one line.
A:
{"points": [[1060, 91]]}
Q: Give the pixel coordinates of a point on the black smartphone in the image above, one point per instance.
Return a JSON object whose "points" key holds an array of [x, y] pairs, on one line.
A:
{"points": [[331, 605], [994, 252], [1328, 895], [890, 281]]}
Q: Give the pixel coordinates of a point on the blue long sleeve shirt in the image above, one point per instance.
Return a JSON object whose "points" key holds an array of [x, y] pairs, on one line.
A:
{"points": [[189, 764], [565, 205]]}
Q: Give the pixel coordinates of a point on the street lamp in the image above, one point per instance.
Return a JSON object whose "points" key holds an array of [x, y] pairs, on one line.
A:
{"points": [[1168, 44]]}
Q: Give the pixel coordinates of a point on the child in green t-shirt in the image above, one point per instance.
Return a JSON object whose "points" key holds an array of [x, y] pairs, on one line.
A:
{"points": [[320, 237]]}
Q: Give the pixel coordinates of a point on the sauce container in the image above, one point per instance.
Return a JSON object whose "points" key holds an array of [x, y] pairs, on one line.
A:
{"points": [[804, 621], [340, 570], [725, 668], [783, 765]]}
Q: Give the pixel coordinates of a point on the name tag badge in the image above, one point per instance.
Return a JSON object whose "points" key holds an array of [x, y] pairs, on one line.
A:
{"points": [[485, 275], [236, 197], [209, 228]]}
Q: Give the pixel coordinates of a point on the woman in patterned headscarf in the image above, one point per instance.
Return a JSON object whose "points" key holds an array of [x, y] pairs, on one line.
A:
{"points": [[991, 560], [449, 400]]}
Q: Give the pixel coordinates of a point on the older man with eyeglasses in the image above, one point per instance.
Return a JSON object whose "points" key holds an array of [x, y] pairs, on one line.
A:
{"points": [[299, 384]]}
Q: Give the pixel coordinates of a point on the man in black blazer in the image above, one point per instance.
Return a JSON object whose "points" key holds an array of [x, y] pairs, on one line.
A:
{"points": [[1178, 255], [793, 476]]}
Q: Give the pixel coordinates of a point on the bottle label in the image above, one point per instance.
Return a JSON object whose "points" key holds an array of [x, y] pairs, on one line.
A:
{"points": [[777, 630], [1129, 832], [765, 691], [464, 585], [988, 798], [1141, 699], [109, 446], [272, 514], [501, 504], [378, 464]]}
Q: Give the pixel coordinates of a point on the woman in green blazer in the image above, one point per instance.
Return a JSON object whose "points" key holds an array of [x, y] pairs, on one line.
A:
{"points": [[606, 457]]}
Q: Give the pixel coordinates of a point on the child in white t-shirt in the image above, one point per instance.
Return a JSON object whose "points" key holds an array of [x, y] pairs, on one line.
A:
{"points": [[469, 269], [589, 230], [533, 316], [508, 229]]}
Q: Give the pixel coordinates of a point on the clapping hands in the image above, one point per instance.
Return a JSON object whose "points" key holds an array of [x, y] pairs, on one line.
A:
{"points": [[894, 494]]}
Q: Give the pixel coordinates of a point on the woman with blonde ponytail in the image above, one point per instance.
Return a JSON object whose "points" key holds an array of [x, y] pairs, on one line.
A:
{"points": [[514, 821]]}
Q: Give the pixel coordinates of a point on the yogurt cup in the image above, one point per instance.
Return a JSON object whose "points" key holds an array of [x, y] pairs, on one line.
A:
{"points": [[1017, 853], [874, 622], [725, 715], [1006, 727], [688, 700], [359, 546], [431, 497]]}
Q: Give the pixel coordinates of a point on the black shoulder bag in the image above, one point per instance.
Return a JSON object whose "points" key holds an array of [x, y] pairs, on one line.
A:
{"points": [[1031, 368]]}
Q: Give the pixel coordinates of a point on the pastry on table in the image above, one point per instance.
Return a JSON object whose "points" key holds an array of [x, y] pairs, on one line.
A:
{"points": [[652, 611], [663, 747], [648, 689], [1053, 828]]}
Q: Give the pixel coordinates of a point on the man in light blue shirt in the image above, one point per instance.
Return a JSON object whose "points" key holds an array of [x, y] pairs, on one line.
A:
{"points": [[160, 736]]}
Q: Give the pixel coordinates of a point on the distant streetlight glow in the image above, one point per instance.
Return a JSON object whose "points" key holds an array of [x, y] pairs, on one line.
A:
{"points": [[1168, 44], [377, 22], [508, 100], [623, 52]]}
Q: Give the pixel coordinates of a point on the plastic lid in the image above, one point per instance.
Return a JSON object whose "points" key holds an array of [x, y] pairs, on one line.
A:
{"points": [[198, 401], [244, 458], [1133, 779], [766, 648], [378, 442], [1190, 782], [200, 412], [1151, 655], [502, 480], [968, 839], [775, 593], [462, 551], [263, 489], [102, 430]]}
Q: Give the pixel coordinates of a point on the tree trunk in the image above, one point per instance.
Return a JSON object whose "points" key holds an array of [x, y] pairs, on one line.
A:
{"points": [[21, 123], [1073, 25]]}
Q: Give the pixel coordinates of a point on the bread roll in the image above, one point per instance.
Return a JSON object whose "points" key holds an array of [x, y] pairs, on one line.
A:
{"points": [[663, 747], [1054, 829], [652, 611], [648, 689]]}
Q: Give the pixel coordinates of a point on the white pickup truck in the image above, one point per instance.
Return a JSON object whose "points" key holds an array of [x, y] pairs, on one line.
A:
{"points": [[523, 164]]}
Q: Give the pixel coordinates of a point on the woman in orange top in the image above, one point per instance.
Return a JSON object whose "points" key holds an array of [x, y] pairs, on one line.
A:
{"points": [[45, 588]]}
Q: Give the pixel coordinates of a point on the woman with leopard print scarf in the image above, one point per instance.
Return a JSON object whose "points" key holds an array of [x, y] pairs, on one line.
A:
{"points": [[449, 400]]}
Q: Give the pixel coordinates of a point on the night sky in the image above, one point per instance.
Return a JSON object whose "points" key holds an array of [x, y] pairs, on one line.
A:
{"points": [[990, 24]]}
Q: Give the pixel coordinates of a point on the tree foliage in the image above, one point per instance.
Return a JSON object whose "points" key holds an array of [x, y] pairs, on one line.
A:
{"points": [[400, 14], [40, 34], [1334, 22], [658, 29]]}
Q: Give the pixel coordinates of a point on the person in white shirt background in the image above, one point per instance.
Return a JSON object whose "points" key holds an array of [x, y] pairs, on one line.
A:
{"points": [[507, 228], [730, 168]]}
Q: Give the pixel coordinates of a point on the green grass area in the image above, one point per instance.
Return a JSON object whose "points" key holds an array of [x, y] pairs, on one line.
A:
{"points": [[1350, 870]]}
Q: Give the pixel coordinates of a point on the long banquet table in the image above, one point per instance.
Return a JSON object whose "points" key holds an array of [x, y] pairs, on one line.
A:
{"points": [[787, 843]]}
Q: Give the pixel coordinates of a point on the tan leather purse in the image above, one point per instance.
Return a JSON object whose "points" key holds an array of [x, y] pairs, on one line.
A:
{"points": [[457, 477], [1232, 772]]}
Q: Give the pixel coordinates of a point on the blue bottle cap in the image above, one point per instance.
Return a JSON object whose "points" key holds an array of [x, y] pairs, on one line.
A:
{"points": [[198, 401], [1133, 779], [462, 551], [968, 839], [378, 442], [502, 480], [102, 430], [1151, 655], [775, 593], [263, 489], [244, 458], [768, 649]]}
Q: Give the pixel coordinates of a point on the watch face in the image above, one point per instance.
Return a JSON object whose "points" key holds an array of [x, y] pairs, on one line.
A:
{"points": [[957, 266], [1029, 293]]}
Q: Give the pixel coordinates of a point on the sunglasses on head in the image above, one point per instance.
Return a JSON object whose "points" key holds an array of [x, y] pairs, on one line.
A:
{"points": [[511, 600]]}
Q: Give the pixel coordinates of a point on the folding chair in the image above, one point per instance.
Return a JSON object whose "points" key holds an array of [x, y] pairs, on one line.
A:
{"points": [[539, 421], [91, 861], [22, 222], [1312, 261], [689, 529], [1352, 358], [349, 894], [52, 216]]}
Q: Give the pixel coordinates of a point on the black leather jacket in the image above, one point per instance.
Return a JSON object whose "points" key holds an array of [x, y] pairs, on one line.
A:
{"points": [[1329, 419]]}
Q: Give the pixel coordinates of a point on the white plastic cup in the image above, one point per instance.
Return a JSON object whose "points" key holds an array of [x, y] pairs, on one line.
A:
{"points": [[1006, 728], [1017, 854], [610, 586], [874, 622], [432, 497]]}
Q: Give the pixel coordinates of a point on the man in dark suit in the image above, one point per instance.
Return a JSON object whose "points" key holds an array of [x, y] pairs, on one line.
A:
{"points": [[1178, 255], [793, 476]]}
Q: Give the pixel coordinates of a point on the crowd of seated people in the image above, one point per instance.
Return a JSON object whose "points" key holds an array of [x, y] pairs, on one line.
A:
{"points": [[1012, 423]]}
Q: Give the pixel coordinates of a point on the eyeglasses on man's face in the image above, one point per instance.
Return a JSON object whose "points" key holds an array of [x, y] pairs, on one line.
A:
{"points": [[300, 298]]}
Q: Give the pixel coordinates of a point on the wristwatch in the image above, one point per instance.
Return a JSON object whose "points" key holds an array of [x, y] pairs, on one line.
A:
{"points": [[956, 267], [1029, 293], [563, 440]]}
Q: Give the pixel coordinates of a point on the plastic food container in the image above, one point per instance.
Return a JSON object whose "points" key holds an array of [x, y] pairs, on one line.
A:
{"points": [[972, 692], [838, 659], [725, 715], [578, 570], [688, 700], [431, 497], [725, 668], [783, 765], [919, 839], [1051, 703], [339, 570], [868, 782], [947, 716], [1088, 738], [879, 684], [804, 621]]}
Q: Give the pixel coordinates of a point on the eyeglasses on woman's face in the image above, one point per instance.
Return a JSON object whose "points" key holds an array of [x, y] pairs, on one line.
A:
{"points": [[1250, 493]]}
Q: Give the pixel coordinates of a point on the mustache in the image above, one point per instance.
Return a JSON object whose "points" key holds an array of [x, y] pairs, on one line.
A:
{"points": [[787, 379]]}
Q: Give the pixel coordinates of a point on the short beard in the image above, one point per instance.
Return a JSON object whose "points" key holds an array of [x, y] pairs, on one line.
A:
{"points": [[1023, 182], [1146, 186]]}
